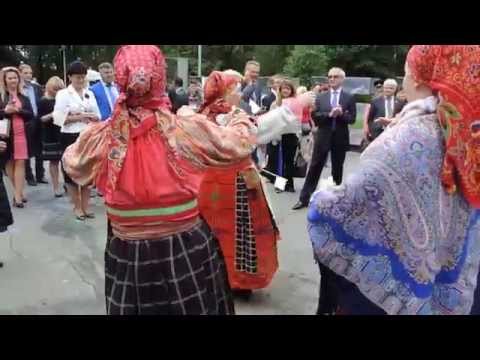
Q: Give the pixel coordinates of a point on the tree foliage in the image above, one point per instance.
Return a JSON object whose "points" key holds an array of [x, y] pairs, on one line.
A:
{"points": [[301, 61], [306, 61], [368, 60]]}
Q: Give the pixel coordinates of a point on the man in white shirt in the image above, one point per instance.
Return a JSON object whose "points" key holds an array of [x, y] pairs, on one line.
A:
{"points": [[105, 91]]}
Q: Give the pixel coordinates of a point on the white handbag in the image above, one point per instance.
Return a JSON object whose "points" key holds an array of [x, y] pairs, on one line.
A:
{"points": [[5, 128]]}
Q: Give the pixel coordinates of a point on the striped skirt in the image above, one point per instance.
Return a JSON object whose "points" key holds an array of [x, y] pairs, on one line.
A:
{"points": [[182, 274]]}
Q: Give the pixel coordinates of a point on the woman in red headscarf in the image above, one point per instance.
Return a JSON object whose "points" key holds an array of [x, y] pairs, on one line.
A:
{"points": [[161, 257], [402, 234], [232, 200]]}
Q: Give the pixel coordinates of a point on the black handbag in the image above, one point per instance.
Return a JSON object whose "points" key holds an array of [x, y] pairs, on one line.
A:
{"points": [[52, 151]]}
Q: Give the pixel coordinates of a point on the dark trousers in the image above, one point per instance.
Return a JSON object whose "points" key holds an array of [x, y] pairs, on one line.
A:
{"points": [[272, 163], [476, 299], [328, 296], [289, 145], [319, 158], [39, 169], [34, 135]]}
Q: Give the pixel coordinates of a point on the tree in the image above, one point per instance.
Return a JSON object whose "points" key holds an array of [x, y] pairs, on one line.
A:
{"points": [[306, 61], [272, 57], [47, 60], [368, 60], [10, 55]]}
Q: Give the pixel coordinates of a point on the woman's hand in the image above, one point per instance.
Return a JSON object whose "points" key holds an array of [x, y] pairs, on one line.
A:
{"points": [[10, 109], [92, 117], [3, 146], [383, 121], [88, 117], [47, 118]]}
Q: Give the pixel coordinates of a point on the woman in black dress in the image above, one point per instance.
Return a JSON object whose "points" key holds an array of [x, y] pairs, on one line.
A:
{"points": [[281, 154], [51, 147]]}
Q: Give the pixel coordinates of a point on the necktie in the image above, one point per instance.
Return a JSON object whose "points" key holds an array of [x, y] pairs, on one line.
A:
{"points": [[389, 112], [334, 99], [334, 104]]}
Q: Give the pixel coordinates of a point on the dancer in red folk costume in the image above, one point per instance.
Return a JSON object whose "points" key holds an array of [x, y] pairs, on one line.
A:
{"points": [[232, 199], [161, 257]]}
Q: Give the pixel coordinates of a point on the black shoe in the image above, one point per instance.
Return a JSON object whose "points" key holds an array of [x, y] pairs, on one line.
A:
{"points": [[80, 217], [299, 205], [18, 205], [31, 182], [1, 264], [278, 191], [42, 181]]}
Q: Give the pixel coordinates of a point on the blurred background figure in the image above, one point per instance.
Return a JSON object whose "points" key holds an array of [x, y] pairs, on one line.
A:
{"points": [[75, 107], [105, 90], [33, 128], [51, 147], [281, 152], [15, 107]]}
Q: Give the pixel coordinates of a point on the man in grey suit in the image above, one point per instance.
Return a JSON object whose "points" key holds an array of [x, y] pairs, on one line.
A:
{"points": [[383, 109]]}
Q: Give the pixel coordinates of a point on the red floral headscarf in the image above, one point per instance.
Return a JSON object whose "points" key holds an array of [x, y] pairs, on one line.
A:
{"points": [[454, 71], [216, 87], [140, 72]]}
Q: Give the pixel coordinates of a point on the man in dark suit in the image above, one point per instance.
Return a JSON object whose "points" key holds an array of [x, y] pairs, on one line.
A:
{"points": [[34, 128], [383, 109], [251, 88], [251, 92], [334, 111]]}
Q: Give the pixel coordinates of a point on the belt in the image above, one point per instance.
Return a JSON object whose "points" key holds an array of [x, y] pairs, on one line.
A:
{"points": [[160, 211]]}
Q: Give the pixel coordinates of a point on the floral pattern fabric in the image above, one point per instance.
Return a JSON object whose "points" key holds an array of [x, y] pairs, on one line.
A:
{"points": [[393, 230]]}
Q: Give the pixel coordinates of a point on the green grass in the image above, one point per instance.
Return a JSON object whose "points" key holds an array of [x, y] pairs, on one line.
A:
{"points": [[359, 123]]}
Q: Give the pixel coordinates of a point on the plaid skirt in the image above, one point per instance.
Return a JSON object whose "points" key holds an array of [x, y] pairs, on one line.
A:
{"points": [[182, 274]]}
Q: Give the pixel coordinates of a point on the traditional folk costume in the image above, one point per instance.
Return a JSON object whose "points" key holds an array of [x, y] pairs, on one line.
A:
{"points": [[160, 257], [232, 200], [402, 234]]}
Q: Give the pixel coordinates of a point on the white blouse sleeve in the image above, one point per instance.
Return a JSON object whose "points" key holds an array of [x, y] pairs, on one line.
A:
{"points": [[62, 108], [275, 123]]}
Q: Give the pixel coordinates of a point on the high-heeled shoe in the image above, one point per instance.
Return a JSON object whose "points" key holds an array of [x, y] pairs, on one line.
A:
{"points": [[18, 205]]}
